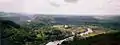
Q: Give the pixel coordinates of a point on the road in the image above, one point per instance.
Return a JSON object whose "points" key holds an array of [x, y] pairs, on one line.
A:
{"points": [[69, 38]]}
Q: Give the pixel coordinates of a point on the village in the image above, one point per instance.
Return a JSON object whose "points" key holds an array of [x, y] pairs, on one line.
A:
{"points": [[81, 31]]}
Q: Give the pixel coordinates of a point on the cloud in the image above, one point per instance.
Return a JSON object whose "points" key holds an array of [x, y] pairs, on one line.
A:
{"points": [[5, 1], [11, 5], [83, 7], [71, 1]]}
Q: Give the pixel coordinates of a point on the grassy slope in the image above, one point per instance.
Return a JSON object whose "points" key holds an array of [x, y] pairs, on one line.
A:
{"points": [[102, 39]]}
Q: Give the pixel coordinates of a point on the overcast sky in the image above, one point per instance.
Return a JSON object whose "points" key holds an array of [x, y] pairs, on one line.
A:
{"points": [[86, 7]]}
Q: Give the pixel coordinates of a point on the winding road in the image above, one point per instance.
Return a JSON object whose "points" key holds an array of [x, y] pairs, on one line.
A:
{"points": [[69, 38]]}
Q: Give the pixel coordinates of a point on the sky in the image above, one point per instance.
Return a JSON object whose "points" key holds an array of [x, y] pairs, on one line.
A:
{"points": [[66, 7]]}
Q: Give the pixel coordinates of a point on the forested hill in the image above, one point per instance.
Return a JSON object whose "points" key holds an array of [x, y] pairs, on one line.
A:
{"points": [[59, 19]]}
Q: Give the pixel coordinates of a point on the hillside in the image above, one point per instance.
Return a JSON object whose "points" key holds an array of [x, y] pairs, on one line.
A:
{"points": [[102, 39], [39, 29]]}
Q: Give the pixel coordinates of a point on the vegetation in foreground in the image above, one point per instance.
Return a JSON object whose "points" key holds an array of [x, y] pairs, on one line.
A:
{"points": [[102, 39]]}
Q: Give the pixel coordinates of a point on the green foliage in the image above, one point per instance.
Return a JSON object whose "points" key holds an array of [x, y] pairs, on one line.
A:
{"points": [[40, 36], [34, 33], [40, 32], [19, 35]]}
